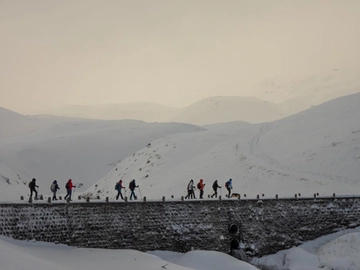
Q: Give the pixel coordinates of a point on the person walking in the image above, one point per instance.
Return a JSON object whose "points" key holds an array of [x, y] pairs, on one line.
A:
{"points": [[190, 190], [132, 186], [229, 187], [118, 187], [215, 186], [54, 188], [200, 187], [33, 186], [69, 186]]}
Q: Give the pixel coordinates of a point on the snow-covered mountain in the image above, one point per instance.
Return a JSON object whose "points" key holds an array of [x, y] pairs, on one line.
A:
{"points": [[49, 148], [144, 111], [228, 109], [12, 184], [294, 95], [316, 151], [269, 100], [14, 124]]}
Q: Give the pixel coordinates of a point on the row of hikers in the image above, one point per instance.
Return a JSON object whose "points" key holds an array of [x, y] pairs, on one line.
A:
{"points": [[190, 189], [132, 185], [201, 185], [54, 188]]}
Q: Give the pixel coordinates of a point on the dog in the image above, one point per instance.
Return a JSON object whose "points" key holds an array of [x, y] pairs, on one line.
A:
{"points": [[235, 195]]}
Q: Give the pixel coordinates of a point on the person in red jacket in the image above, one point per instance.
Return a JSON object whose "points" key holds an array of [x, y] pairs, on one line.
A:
{"points": [[200, 187], [69, 186]]}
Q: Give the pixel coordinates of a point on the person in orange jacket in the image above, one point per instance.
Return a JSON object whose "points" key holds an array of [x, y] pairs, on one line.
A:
{"points": [[200, 187]]}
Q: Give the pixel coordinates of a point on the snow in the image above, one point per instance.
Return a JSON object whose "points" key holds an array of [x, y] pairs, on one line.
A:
{"points": [[23, 255], [335, 251], [305, 153], [338, 251], [316, 150], [80, 149]]}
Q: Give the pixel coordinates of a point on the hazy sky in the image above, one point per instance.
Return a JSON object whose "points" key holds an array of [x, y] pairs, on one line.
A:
{"points": [[60, 52]]}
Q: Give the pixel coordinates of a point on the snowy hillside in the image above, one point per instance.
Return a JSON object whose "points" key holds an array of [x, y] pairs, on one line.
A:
{"points": [[12, 184], [49, 256], [269, 100], [316, 151], [51, 148], [14, 124], [228, 109], [294, 95], [338, 251], [145, 111]]}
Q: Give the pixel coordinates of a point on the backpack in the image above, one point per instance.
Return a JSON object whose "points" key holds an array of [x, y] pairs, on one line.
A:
{"points": [[130, 185], [53, 187], [117, 186], [227, 184], [29, 184], [198, 185], [67, 185]]}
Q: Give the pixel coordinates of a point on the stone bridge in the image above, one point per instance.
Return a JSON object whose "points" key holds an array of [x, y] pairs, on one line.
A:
{"points": [[261, 226]]}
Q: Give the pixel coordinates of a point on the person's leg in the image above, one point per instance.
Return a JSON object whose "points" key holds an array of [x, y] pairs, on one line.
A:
{"points": [[131, 194], [229, 192], [70, 192], [31, 192], [117, 196], [201, 194], [121, 195]]}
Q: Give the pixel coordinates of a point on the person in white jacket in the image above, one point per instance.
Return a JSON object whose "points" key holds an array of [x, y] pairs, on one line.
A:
{"points": [[229, 187]]}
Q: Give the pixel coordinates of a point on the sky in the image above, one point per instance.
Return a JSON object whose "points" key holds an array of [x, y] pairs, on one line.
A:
{"points": [[57, 53]]}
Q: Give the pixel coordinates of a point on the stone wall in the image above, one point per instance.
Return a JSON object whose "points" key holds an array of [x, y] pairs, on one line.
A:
{"points": [[266, 226]]}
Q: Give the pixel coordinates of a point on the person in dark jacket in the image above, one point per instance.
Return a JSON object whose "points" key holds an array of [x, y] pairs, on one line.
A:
{"points": [[215, 186], [33, 186], [132, 187], [54, 188], [190, 190], [118, 187], [69, 186]]}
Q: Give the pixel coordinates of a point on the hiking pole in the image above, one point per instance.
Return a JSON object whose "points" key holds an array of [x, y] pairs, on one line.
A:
{"points": [[140, 192]]}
